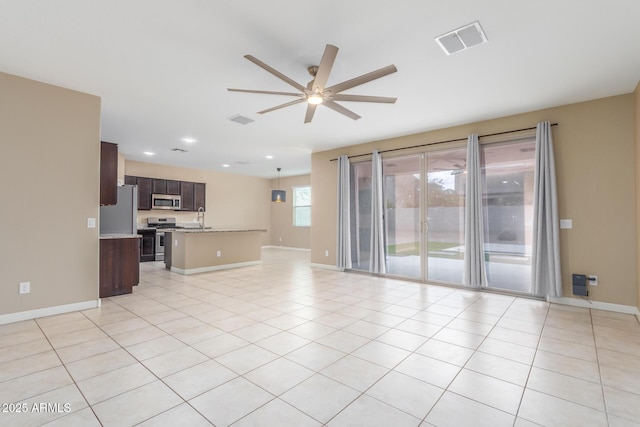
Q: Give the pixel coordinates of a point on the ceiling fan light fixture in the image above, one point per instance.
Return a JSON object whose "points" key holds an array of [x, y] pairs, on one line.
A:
{"points": [[315, 99]]}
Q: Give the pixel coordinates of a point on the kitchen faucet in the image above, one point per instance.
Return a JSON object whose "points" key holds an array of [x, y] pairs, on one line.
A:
{"points": [[201, 216]]}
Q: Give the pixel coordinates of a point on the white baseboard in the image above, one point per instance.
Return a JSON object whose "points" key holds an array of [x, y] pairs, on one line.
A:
{"points": [[214, 267], [606, 306], [325, 267], [286, 247], [48, 311]]}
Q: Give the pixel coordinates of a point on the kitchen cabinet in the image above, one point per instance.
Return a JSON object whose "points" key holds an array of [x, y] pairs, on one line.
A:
{"points": [[193, 194], [159, 186], [144, 193], [145, 189], [199, 195], [119, 265], [186, 194], [173, 187], [147, 245], [108, 174]]}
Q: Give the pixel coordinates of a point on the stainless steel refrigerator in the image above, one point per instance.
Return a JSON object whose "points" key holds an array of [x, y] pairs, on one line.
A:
{"points": [[121, 218]]}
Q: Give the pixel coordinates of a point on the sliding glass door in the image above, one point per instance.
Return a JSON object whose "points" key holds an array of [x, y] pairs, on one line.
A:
{"points": [[445, 181], [403, 216], [424, 215], [508, 178]]}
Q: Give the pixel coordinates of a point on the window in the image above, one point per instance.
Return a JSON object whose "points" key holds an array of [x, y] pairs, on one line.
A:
{"points": [[302, 206]]}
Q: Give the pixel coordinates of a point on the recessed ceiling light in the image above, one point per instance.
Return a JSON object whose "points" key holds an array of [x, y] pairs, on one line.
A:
{"points": [[269, 157], [149, 153], [189, 140], [225, 165]]}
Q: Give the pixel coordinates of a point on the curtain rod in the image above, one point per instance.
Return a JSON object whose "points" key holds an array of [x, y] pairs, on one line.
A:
{"points": [[444, 142]]}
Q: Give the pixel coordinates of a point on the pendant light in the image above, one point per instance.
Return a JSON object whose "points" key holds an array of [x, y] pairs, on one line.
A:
{"points": [[278, 196]]}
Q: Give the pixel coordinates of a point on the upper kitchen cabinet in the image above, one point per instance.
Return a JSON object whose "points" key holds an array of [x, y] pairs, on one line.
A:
{"points": [[173, 187], [145, 187], [144, 193], [186, 194], [193, 194], [199, 195], [159, 186], [108, 173]]}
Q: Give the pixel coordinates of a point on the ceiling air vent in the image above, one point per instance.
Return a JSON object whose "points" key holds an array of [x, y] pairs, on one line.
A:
{"points": [[179, 150], [461, 39], [241, 119]]}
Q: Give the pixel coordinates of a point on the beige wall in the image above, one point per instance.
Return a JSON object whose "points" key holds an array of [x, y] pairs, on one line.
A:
{"points": [[49, 169], [283, 233], [594, 148], [233, 201], [637, 127]]}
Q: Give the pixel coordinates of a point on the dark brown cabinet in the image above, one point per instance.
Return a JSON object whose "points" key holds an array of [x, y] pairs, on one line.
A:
{"points": [[144, 193], [173, 187], [159, 186], [199, 195], [193, 194], [186, 194], [119, 266], [145, 187], [108, 174]]}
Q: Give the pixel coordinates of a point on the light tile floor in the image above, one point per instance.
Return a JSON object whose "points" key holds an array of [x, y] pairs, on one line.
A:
{"points": [[283, 344]]}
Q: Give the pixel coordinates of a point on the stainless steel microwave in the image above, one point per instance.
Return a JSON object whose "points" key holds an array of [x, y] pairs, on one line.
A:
{"points": [[166, 201]]}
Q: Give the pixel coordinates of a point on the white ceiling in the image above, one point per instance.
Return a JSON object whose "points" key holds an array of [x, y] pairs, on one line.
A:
{"points": [[162, 67]]}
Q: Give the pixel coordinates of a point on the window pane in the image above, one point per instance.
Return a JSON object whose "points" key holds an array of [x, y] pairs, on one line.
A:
{"points": [[360, 215], [508, 178], [302, 196], [302, 206], [446, 185], [402, 215], [302, 216]]}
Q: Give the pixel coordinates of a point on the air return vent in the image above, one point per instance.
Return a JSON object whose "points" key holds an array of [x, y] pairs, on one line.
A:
{"points": [[462, 38], [241, 119]]}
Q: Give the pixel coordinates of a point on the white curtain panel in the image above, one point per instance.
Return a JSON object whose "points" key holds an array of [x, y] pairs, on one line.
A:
{"points": [[377, 263], [545, 259], [474, 264], [344, 214]]}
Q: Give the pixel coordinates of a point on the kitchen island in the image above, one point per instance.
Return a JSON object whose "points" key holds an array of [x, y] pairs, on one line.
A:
{"points": [[190, 251]]}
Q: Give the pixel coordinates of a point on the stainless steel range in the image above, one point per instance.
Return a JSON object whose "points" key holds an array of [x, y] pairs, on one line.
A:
{"points": [[160, 224]]}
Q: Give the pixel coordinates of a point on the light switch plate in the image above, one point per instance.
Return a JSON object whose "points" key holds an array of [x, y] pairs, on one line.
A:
{"points": [[91, 223], [566, 224]]}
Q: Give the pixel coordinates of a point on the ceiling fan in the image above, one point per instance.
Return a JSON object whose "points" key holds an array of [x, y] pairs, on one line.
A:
{"points": [[316, 93]]}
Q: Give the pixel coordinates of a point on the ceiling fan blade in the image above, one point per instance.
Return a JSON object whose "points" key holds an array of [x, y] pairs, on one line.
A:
{"points": [[365, 78], [277, 107], [340, 109], [266, 92], [311, 110], [275, 72], [324, 69], [362, 98]]}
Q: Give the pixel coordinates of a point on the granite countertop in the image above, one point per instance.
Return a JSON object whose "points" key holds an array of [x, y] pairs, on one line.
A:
{"points": [[120, 236], [215, 230]]}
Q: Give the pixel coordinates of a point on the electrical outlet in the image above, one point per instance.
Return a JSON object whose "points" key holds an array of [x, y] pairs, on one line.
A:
{"points": [[593, 280], [25, 287], [219, 254], [326, 253]]}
